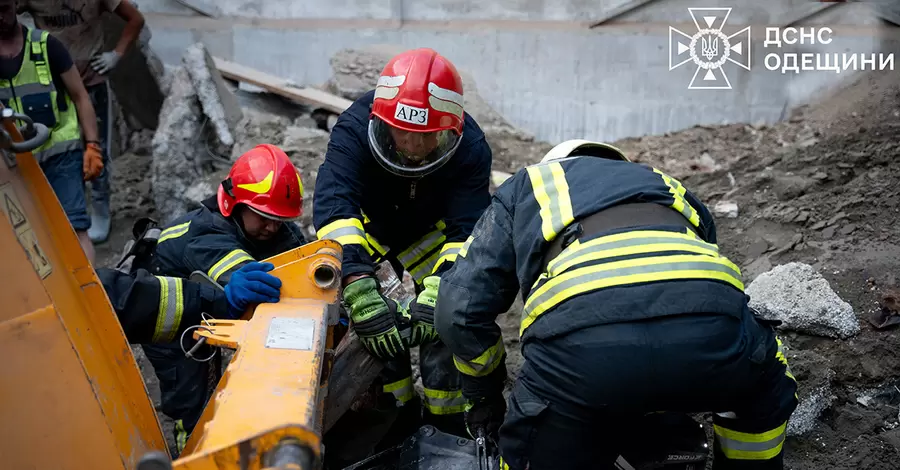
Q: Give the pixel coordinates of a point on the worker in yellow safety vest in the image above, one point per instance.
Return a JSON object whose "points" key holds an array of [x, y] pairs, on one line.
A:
{"points": [[39, 79]]}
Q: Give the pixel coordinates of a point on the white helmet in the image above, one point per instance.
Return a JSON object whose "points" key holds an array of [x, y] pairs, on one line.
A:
{"points": [[580, 147]]}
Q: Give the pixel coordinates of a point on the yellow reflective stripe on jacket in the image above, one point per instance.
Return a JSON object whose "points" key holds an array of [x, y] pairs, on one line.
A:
{"points": [[551, 290], [628, 243], [401, 389], [345, 232], [174, 231], [779, 355], [171, 308], [552, 193], [443, 402], [449, 253], [750, 446], [425, 268], [483, 364], [227, 262], [465, 246], [680, 204], [423, 246]]}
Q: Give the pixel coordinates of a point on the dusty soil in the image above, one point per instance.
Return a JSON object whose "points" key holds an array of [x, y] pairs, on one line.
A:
{"points": [[821, 188]]}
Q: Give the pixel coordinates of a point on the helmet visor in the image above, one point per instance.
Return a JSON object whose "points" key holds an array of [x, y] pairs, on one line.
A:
{"points": [[407, 153]]}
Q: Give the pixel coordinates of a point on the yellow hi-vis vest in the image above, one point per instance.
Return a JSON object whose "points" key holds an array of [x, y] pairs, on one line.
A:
{"points": [[33, 92]]}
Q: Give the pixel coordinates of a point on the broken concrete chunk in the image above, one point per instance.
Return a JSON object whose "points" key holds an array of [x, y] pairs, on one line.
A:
{"points": [[802, 299], [726, 209], [814, 378], [218, 102], [175, 148]]}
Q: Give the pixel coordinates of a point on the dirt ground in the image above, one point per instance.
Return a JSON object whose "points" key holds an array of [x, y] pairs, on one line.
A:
{"points": [[822, 188]]}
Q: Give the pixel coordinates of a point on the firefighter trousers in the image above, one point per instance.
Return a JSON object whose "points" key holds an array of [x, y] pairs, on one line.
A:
{"points": [[577, 395], [443, 405], [185, 385]]}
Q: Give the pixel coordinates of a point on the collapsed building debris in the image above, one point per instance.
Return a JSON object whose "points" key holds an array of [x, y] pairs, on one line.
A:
{"points": [[183, 153]]}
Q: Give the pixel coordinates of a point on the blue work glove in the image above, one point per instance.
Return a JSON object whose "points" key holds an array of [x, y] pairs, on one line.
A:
{"points": [[422, 313], [251, 284], [375, 318]]}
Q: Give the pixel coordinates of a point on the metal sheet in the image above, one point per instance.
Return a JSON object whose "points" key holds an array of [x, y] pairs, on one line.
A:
{"points": [[291, 333]]}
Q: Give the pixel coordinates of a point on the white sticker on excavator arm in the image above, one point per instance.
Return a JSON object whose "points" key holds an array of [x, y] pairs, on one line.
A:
{"points": [[15, 212], [291, 333]]}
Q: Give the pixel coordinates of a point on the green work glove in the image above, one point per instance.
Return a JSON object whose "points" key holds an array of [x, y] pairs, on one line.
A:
{"points": [[422, 313], [374, 318]]}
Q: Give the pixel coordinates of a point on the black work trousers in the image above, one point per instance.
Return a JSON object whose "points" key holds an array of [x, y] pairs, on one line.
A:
{"points": [[577, 396], [185, 384]]}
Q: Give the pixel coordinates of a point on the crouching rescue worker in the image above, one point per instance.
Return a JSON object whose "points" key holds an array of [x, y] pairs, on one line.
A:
{"points": [[405, 178], [157, 309], [629, 310], [248, 219]]}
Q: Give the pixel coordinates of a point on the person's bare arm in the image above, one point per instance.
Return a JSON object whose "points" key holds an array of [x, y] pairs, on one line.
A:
{"points": [[134, 22], [86, 115]]}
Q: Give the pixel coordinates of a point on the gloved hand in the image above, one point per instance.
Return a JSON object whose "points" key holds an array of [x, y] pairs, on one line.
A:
{"points": [[422, 313], [92, 163], [103, 62], [374, 318], [251, 284], [486, 413]]}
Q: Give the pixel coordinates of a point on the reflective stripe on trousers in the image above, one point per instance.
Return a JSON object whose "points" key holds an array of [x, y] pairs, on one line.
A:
{"points": [[680, 257], [443, 402], [737, 445], [402, 390]]}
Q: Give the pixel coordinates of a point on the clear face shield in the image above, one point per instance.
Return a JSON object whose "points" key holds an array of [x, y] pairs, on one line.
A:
{"points": [[408, 153]]}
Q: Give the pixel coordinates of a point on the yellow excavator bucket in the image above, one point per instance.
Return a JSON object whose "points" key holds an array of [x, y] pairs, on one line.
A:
{"points": [[71, 393]]}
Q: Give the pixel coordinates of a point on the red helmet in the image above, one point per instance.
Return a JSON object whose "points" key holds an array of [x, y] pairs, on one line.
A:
{"points": [[266, 181], [416, 122]]}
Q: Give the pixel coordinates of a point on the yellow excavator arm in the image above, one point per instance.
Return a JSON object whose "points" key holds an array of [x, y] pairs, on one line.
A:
{"points": [[72, 394]]}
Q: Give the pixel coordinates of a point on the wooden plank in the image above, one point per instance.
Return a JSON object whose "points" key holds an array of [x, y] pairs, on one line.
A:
{"points": [[619, 11], [353, 371], [307, 96], [204, 8]]}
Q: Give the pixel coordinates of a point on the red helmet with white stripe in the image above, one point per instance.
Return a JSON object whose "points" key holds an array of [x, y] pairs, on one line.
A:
{"points": [[416, 121]]}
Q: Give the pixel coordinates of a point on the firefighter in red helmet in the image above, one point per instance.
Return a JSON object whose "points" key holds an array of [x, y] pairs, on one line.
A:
{"points": [[405, 178], [249, 218]]}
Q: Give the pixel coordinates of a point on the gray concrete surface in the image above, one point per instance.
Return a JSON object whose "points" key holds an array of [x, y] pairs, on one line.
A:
{"points": [[535, 61]]}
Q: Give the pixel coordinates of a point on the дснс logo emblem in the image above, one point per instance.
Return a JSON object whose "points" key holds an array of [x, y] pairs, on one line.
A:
{"points": [[709, 48]]}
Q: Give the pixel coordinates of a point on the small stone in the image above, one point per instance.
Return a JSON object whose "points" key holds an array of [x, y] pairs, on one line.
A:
{"points": [[757, 248], [836, 217], [820, 175], [726, 209], [818, 225], [848, 229], [802, 217], [828, 233]]}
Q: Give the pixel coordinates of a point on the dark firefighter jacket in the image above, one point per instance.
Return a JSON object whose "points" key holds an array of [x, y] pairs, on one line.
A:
{"points": [[625, 271], [205, 240], [157, 309], [375, 214]]}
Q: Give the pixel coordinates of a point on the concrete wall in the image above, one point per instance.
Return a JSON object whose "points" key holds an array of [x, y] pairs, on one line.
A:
{"points": [[555, 78]]}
